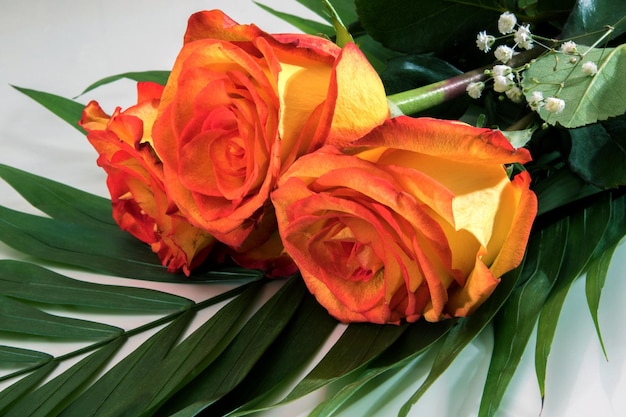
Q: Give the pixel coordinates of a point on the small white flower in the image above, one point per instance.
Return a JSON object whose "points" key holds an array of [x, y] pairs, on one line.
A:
{"points": [[523, 38], [474, 90], [503, 70], [514, 94], [536, 100], [569, 47], [503, 53], [506, 22], [590, 68], [502, 83], [484, 41], [554, 105]]}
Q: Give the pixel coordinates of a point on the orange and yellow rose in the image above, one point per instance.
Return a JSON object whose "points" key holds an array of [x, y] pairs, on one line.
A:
{"points": [[241, 105], [135, 181], [417, 218]]}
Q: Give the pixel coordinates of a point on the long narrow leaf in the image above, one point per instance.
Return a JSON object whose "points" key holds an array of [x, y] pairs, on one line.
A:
{"points": [[126, 378], [68, 110], [47, 400], [359, 344], [415, 340], [26, 281], [515, 323], [13, 355], [585, 231], [305, 25], [58, 200], [159, 77], [191, 356], [20, 318], [304, 335], [466, 329], [17, 390], [244, 351]]}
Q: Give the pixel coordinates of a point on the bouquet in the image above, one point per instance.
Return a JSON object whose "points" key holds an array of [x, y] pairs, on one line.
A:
{"points": [[356, 189]]}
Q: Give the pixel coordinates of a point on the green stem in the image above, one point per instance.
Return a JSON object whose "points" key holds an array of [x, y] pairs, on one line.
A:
{"points": [[422, 98]]}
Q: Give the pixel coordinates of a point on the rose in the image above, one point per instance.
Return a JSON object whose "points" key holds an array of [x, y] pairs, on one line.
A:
{"points": [[418, 218], [135, 181], [240, 105]]}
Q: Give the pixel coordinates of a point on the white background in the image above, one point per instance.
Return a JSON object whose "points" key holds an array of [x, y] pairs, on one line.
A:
{"points": [[62, 46]]}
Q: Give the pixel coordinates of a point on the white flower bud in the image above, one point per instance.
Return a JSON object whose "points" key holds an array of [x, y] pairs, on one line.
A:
{"points": [[484, 41], [569, 47], [514, 94], [503, 53], [589, 68], [536, 100], [501, 83], [554, 105], [503, 70], [475, 90], [523, 38], [506, 22]]}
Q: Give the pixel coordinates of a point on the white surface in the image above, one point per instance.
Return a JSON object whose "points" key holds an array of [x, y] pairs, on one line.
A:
{"points": [[63, 46]]}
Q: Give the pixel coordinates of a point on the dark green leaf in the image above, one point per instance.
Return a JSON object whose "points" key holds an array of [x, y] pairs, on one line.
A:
{"points": [[591, 17], [586, 228], [516, 321], [110, 394], [233, 365], [359, 344], [17, 390], [304, 335], [195, 353], [598, 153], [12, 355], [31, 282], [465, 330], [305, 25], [159, 77], [58, 200], [98, 248], [21, 318], [416, 339], [68, 110], [412, 71], [594, 282], [424, 26], [345, 9], [48, 399]]}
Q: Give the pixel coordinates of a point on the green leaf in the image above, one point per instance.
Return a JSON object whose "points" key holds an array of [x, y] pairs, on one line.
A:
{"points": [[69, 110], [597, 272], [345, 9], [49, 398], [414, 341], [242, 353], [110, 394], [13, 393], [516, 321], [424, 26], [359, 344], [465, 330], [592, 17], [26, 281], [159, 77], [411, 71], [195, 353], [296, 345], [21, 318], [98, 248], [305, 25], [588, 99], [58, 200], [586, 228], [12, 355], [598, 153]]}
